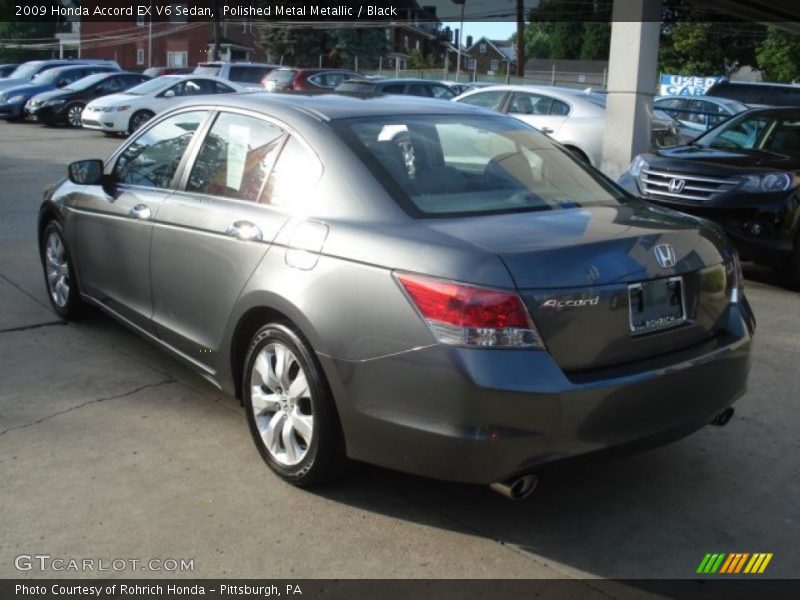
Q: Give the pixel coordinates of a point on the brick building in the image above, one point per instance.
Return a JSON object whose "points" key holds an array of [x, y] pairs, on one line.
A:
{"points": [[139, 45], [490, 57]]}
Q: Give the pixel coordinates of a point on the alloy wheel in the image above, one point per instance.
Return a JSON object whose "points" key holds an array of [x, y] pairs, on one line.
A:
{"points": [[281, 404], [138, 120], [57, 269], [74, 115]]}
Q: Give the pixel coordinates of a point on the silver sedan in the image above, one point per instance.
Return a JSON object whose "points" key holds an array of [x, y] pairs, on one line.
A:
{"points": [[418, 284]]}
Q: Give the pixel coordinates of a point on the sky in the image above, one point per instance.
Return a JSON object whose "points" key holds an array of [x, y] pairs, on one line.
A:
{"points": [[493, 30]]}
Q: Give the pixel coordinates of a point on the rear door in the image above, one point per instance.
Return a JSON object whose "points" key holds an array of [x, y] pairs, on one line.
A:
{"points": [[114, 226], [210, 237], [545, 113]]}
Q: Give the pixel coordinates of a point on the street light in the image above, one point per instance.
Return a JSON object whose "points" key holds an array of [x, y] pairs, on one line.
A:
{"points": [[459, 38]]}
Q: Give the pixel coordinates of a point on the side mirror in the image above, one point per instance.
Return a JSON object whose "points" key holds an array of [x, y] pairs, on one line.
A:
{"points": [[86, 172], [169, 94]]}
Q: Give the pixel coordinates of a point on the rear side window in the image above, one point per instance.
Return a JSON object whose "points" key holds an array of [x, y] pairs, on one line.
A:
{"points": [[395, 88], [491, 100], [294, 176], [786, 97], [152, 158], [236, 157]]}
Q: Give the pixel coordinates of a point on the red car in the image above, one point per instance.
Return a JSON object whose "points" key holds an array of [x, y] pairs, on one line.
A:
{"points": [[290, 78]]}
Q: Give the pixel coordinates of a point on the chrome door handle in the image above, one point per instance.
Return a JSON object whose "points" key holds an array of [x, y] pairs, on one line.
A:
{"points": [[546, 130], [141, 211], [245, 230]]}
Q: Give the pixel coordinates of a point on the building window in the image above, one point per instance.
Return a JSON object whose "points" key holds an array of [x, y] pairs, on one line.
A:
{"points": [[472, 64], [495, 64], [177, 59], [140, 56], [140, 21], [178, 13], [482, 48]]}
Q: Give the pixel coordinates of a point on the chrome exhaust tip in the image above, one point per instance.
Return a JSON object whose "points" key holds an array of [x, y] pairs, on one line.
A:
{"points": [[516, 488], [723, 417]]}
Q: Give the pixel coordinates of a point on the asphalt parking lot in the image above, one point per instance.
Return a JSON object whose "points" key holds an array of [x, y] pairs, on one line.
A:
{"points": [[110, 449]]}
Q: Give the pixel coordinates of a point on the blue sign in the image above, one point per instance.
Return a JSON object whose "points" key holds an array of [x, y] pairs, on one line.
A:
{"points": [[686, 85]]}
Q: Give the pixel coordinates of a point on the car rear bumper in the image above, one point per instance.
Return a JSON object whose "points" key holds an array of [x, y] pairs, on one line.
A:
{"points": [[481, 416]]}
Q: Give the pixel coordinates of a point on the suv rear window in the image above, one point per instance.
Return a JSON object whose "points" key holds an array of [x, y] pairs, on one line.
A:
{"points": [[749, 94], [281, 75], [248, 74], [212, 70]]}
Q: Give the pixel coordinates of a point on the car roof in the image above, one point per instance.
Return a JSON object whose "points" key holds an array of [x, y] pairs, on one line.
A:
{"points": [[756, 84], [333, 106], [551, 90]]}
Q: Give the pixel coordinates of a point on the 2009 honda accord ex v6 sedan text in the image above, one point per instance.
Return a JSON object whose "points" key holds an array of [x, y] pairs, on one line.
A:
{"points": [[422, 285]]}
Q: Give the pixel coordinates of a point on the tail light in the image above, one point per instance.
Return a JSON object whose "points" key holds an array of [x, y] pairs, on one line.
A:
{"points": [[467, 315]]}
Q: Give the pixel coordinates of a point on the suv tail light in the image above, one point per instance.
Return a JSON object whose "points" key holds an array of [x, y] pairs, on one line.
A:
{"points": [[465, 315]]}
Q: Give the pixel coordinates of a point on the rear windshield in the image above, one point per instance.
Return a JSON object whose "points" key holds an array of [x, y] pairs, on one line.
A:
{"points": [[465, 165], [281, 75], [212, 70], [248, 74]]}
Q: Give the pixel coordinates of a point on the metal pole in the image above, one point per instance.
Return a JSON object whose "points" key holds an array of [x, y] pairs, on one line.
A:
{"points": [[150, 38]]}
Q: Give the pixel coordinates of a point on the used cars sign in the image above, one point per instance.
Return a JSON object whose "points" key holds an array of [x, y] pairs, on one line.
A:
{"points": [[686, 85]]}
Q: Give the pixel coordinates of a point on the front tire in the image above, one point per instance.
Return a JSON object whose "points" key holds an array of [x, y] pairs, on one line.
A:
{"points": [[290, 409], [73, 114], [59, 273]]}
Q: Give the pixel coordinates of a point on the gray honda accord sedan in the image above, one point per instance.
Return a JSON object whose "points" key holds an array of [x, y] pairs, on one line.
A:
{"points": [[422, 285]]}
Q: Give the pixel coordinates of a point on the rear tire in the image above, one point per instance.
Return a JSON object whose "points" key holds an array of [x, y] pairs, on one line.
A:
{"points": [[290, 409], [138, 119], [59, 273]]}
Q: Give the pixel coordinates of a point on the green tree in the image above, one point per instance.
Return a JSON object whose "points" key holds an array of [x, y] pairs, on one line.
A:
{"points": [[537, 41], [778, 55], [25, 41], [418, 60], [366, 44]]}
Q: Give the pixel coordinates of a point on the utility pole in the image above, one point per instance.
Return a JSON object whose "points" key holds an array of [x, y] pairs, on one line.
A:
{"points": [[217, 32], [459, 37], [150, 38], [520, 38]]}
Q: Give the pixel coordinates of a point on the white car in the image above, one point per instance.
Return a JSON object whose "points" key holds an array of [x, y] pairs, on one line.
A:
{"points": [[126, 112], [575, 118]]}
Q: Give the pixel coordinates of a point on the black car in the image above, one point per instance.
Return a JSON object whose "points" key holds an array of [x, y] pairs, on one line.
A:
{"points": [[743, 174], [406, 87], [64, 106], [753, 93]]}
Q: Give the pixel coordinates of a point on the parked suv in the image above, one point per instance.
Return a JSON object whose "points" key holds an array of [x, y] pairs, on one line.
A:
{"points": [[240, 72], [769, 94]]}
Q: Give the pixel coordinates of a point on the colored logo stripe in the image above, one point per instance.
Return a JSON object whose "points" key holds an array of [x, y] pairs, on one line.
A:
{"points": [[734, 563], [758, 563]]}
